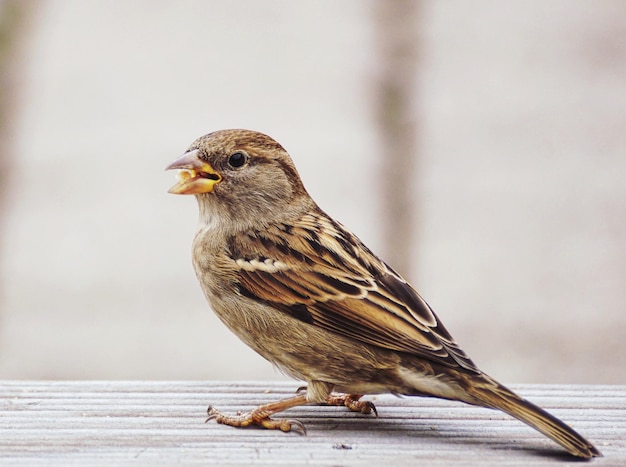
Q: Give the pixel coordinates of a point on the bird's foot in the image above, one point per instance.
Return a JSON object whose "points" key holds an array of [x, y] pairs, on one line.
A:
{"points": [[261, 416], [353, 402]]}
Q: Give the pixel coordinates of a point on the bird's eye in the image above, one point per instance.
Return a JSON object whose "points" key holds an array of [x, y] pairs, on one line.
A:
{"points": [[237, 159]]}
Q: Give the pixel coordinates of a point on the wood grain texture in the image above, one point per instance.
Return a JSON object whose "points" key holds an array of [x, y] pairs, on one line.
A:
{"points": [[137, 422]]}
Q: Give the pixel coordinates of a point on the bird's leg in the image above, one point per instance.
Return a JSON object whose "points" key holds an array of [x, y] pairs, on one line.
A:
{"points": [[261, 416], [353, 402]]}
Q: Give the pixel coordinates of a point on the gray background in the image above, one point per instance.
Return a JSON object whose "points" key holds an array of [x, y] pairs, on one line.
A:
{"points": [[519, 191]]}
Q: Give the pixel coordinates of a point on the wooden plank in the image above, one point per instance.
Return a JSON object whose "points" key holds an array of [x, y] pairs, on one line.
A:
{"points": [[132, 422]]}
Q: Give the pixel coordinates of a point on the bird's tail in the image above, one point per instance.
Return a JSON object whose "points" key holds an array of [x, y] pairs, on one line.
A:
{"points": [[496, 396]]}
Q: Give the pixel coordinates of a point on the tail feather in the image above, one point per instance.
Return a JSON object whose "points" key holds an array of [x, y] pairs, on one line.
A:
{"points": [[499, 397]]}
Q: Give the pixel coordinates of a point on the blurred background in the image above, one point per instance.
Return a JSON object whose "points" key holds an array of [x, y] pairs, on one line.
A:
{"points": [[479, 147]]}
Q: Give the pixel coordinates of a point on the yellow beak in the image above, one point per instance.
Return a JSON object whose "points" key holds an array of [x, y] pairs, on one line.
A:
{"points": [[194, 175]]}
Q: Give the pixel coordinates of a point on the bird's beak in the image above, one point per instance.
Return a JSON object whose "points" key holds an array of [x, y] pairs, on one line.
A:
{"points": [[194, 175]]}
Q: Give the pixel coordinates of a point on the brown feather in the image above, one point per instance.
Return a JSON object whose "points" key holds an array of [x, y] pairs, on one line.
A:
{"points": [[340, 291]]}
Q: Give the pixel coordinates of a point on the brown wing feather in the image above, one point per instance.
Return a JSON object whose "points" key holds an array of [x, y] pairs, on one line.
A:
{"points": [[325, 276]]}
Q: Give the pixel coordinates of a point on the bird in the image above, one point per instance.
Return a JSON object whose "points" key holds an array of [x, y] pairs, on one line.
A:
{"points": [[305, 293]]}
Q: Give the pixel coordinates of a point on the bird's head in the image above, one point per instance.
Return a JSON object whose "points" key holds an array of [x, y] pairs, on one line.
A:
{"points": [[241, 176]]}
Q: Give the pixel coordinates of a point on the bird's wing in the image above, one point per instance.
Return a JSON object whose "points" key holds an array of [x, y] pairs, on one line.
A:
{"points": [[318, 272]]}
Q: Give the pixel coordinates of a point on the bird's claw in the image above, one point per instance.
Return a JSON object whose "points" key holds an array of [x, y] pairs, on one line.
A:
{"points": [[353, 402], [257, 417]]}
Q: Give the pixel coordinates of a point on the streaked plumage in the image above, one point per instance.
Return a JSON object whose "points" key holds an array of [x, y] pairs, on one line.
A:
{"points": [[310, 297]]}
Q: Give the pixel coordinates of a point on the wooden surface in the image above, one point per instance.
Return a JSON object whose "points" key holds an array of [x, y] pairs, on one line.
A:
{"points": [[121, 422]]}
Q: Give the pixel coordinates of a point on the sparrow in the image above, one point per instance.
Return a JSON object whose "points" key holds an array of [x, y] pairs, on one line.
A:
{"points": [[306, 294]]}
